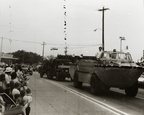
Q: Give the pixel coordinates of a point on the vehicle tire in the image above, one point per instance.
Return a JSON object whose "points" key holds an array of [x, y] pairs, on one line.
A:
{"points": [[132, 91], [77, 83], [95, 85], [41, 75], [57, 76], [48, 75], [62, 76], [71, 79]]}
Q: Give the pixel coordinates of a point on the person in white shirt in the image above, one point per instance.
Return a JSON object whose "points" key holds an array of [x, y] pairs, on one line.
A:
{"points": [[28, 99], [8, 75], [2, 106], [98, 54], [16, 90]]}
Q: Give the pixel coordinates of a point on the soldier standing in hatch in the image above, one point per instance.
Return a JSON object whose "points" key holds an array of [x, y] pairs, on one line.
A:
{"points": [[98, 54]]}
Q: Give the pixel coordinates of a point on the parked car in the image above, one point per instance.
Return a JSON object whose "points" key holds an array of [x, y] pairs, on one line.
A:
{"points": [[10, 106]]}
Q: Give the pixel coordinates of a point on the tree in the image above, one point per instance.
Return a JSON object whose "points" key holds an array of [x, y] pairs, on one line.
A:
{"points": [[27, 57]]}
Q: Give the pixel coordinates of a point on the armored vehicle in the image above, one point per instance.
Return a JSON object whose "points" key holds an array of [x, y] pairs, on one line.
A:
{"points": [[112, 69], [58, 68]]}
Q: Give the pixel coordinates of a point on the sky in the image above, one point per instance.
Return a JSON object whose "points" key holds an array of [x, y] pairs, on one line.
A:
{"points": [[27, 24]]}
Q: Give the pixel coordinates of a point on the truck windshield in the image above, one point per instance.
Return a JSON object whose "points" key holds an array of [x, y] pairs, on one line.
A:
{"points": [[117, 55]]}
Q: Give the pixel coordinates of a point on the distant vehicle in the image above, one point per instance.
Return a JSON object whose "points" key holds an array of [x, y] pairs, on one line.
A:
{"points": [[10, 106], [58, 68], [112, 69], [27, 70]]}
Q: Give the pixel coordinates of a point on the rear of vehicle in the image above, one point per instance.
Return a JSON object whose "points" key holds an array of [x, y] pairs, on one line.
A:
{"points": [[58, 68], [61, 69], [27, 70]]}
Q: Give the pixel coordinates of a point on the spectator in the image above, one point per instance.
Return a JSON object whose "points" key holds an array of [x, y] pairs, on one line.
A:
{"points": [[14, 77], [2, 106], [8, 71], [17, 98], [2, 83], [28, 99], [15, 90], [23, 105], [22, 93], [8, 75]]}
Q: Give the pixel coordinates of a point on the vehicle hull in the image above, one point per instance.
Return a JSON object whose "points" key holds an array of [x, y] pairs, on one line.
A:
{"points": [[113, 76], [121, 77]]}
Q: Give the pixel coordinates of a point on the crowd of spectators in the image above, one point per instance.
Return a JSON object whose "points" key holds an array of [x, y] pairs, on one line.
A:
{"points": [[14, 83]]}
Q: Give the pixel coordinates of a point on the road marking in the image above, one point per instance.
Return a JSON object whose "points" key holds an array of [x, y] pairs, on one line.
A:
{"points": [[103, 105], [139, 97]]}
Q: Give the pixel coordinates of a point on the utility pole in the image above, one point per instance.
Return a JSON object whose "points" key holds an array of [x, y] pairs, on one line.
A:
{"points": [[1, 48], [43, 49], [103, 9]]}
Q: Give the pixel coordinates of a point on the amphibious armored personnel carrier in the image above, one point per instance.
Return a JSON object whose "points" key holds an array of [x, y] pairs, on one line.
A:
{"points": [[112, 69]]}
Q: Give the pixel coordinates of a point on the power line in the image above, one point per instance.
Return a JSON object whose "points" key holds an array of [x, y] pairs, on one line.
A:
{"points": [[50, 43]]}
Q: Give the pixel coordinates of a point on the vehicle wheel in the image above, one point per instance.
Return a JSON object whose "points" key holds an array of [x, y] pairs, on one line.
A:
{"points": [[48, 75], [41, 75], [77, 83], [132, 91], [95, 85], [71, 79], [57, 76], [62, 76]]}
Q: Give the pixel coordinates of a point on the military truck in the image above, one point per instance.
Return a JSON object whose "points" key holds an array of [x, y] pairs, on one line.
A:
{"points": [[112, 69], [58, 68]]}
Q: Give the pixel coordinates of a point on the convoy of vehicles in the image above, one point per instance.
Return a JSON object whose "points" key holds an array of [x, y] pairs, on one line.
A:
{"points": [[112, 69]]}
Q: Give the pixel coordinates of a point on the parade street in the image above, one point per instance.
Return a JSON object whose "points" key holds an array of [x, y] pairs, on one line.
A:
{"points": [[51, 97]]}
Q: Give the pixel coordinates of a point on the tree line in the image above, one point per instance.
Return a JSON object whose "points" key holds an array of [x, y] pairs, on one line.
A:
{"points": [[27, 57]]}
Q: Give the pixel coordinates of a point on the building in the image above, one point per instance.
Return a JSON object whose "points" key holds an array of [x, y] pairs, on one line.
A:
{"points": [[7, 58]]}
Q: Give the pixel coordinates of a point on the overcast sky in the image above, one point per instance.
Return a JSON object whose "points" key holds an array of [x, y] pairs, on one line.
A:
{"points": [[26, 24]]}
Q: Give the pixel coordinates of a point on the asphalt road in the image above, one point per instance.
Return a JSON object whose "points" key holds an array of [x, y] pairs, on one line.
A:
{"points": [[51, 97]]}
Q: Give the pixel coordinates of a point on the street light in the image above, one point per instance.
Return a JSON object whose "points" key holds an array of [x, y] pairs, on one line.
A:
{"points": [[53, 49], [121, 38], [97, 29]]}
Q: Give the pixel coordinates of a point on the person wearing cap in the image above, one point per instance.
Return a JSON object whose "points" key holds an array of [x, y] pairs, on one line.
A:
{"points": [[98, 54], [8, 75], [8, 71], [16, 90]]}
